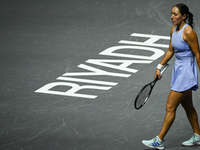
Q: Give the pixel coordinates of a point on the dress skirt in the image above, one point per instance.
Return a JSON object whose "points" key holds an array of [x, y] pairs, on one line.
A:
{"points": [[184, 74]]}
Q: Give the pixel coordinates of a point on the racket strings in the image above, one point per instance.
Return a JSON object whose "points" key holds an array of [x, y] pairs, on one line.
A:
{"points": [[142, 96]]}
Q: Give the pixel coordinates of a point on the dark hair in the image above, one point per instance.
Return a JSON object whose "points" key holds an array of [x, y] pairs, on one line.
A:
{"points": [[183, 9]]}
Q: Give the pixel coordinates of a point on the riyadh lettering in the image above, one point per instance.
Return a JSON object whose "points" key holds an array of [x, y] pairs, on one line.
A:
{"points": [[70, 80]]}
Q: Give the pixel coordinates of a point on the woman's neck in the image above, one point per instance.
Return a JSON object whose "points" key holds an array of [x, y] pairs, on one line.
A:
{"points": [[179, 27]]}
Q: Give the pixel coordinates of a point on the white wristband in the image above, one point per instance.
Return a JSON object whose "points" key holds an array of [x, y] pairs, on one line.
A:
{"points": [[159, 66]]}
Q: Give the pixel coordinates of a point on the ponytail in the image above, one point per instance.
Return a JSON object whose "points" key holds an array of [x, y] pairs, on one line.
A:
{"points": [[190, 19]]}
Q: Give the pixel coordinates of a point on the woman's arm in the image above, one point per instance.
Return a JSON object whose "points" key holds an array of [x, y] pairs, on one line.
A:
{"points": [[168, 55], [191, 38]]}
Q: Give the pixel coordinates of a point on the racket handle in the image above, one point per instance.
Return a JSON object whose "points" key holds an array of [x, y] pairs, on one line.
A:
{"points": [[164, 68]]}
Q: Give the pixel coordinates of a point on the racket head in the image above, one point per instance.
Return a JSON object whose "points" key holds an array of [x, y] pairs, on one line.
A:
{"points": [[143, 96]]}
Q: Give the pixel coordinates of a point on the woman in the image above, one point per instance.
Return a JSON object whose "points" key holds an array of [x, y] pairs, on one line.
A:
{"points": [[184, 44]]}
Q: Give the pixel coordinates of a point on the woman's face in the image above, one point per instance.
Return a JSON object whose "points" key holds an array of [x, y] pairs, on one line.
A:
{"points": [[176, 16]]}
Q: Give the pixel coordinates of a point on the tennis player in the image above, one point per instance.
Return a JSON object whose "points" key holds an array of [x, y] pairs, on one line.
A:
{"points": [[184, 44]]}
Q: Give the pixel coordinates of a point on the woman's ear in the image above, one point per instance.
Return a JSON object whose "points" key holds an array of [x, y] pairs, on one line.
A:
{"points": [[184, 16]]}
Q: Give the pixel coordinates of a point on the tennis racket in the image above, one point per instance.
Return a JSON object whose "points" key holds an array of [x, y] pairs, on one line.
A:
{"points": [[144, 94]]}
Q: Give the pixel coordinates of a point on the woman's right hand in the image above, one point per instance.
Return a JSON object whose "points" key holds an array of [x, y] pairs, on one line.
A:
{"points": [[157, 74]]}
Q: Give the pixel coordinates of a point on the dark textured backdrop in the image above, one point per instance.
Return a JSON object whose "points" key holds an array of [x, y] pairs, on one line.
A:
{"points": [[41, 40]]}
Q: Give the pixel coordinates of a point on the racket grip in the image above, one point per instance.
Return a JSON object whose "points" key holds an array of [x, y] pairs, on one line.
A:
{"points": [[164, 68]]}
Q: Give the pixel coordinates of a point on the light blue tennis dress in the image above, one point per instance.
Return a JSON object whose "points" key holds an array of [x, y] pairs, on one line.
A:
{"points": [[184, 73]]}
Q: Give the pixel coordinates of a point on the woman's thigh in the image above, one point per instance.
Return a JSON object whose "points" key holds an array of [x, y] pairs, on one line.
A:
{"points": [[175, 98], [187, 101]]}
